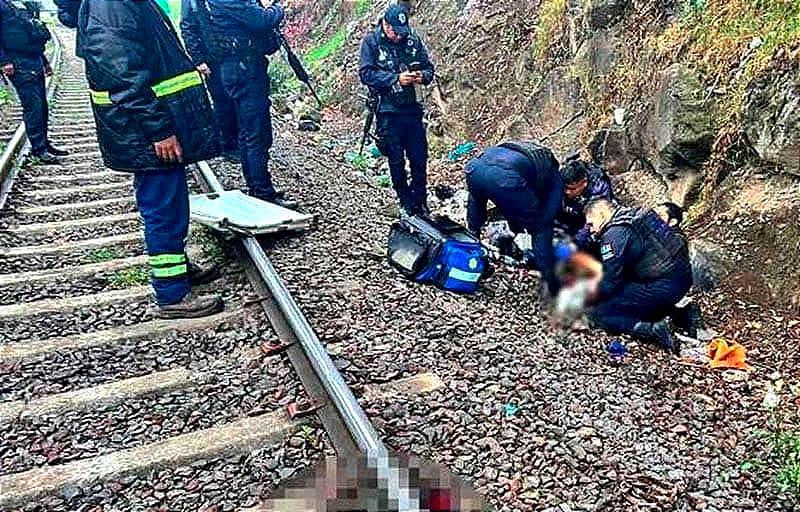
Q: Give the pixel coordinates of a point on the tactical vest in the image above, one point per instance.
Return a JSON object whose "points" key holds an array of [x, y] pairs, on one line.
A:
{"points": [[398, 58], [23, 34], [663, 252], [224, 45], [542, 160]]}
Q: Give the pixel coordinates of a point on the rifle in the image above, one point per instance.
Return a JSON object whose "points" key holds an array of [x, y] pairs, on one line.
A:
{"points": [[297, 66], [372, 107]]}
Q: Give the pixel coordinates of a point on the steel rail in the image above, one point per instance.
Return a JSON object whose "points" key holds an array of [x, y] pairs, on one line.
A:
{"points": [[13, 151], [364, 435]]}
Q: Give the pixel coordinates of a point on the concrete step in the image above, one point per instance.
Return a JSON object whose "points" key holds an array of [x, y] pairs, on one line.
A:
{"points": [[43, 227], [13, 352], [35, 210], [234, 438], [32, 250], [66, 305]]}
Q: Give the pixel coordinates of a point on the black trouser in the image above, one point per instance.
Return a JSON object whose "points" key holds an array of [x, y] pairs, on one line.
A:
{"points": [[246, 81], [403, 136], [29, 83], [641, 302], [521, 207], [224, 110]]}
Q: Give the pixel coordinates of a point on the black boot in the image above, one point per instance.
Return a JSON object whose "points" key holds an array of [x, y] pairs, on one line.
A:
{"points": [[658, 333], [688, 319], [56, 151], [202, 275], [44, 158]]}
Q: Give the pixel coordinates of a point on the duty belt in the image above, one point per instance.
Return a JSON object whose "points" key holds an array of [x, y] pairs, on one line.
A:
{"points": [[163, 88]]}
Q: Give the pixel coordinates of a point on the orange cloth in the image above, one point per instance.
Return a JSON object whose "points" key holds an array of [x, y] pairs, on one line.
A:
{"points": [[727, 354]]}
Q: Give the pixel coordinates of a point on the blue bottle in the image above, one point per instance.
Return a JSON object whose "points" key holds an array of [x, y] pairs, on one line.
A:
{"points": [[617, 351]]}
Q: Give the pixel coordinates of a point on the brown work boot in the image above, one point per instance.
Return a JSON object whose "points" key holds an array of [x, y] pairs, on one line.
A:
{"points": [[191, 306], [199, 276]]}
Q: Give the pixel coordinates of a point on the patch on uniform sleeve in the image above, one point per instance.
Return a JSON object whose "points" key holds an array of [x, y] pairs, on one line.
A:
{"points": [[607, 252]]}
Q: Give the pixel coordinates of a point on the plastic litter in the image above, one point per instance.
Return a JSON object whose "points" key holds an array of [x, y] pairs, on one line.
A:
{"points": [[617, 352], [511, 410], [461, 150]]}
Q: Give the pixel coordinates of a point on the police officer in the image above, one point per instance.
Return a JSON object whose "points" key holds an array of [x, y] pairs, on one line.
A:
{"points": [[153, 117], [583, 182], [394, 63], [522, 180], [646, 270], [243, 33], [689, 317], [196, 32], [22, 58]]}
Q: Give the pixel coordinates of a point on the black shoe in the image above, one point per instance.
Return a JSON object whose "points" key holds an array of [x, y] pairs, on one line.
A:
{"points": [[658, 333], [688, 319], [44, 158], [289, 204], [55, 151], [191, 306], [202, 275]]}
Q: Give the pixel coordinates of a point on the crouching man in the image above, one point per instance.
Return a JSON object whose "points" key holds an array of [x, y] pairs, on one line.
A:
{"points": [[646, 270], [522, 180]]}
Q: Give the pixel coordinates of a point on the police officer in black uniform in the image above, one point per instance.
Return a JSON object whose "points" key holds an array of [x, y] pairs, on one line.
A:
{"points": [[522, 180], [23, 61], [196, 32], [242, 35], [646, 270], [583, 183], [394, 64]]}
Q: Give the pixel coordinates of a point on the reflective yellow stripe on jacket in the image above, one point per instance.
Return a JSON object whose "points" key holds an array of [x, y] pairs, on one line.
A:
{"points": [[161, 89]]}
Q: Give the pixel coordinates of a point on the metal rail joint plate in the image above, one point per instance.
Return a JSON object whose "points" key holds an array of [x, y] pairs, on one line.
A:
{"points": [[234, 212]]}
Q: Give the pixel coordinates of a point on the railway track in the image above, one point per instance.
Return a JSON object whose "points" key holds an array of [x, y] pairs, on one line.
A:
{"points": [[103, 407]]}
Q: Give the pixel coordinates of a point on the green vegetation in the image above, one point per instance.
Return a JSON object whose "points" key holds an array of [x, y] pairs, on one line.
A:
{"points": [[315, 56], [786, 447], [549, 24], [104, 254], [716, 34], [134, 276], [363, 7], [206, 239]]}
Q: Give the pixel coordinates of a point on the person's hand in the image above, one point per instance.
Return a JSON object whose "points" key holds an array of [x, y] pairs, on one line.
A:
{"points": [[204, 69], [8, 69], [418, 77], [48, 70], [169, 150], [406, 78]]}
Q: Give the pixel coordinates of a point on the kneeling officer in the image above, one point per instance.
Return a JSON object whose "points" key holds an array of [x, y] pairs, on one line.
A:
{"points": [[646, 270], [522, 179]]}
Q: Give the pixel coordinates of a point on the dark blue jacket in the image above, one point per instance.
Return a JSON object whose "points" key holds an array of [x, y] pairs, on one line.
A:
{"points": [[571, 218], [637, 246], [381, 62], [195, 30], [144, 87], [243, 28], [22, 37], [505, 175]]}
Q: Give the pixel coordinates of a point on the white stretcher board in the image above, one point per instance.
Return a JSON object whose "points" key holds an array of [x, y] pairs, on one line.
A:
{"points": [[235, 212]]}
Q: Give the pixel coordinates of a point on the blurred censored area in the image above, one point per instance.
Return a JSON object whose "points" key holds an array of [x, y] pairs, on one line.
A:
{"points": [[352, 485]]}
